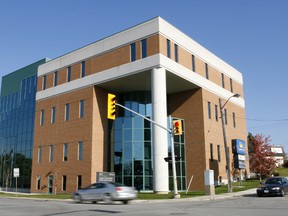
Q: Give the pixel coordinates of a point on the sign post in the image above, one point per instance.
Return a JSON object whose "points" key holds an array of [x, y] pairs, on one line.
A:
{"points": [[16, 173]]}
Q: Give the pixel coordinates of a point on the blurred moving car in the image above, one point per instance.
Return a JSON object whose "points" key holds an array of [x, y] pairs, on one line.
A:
{"points": [[105, 191], [277, 186]]}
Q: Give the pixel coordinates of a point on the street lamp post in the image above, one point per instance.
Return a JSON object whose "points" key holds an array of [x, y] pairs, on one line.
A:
{"points": [[227, 153]]}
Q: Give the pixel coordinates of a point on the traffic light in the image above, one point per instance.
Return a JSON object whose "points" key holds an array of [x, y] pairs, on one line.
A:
{"points": [[177, 127], [111, 106]]}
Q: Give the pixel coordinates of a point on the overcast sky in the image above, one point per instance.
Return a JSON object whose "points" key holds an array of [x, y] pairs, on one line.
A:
{"points": [[250, 35]]}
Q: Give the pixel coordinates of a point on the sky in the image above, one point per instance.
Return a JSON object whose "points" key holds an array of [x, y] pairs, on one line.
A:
{"points": [[250, 35]]}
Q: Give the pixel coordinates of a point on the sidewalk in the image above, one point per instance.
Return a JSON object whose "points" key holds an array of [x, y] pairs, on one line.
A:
{"points": [[205, 197]]}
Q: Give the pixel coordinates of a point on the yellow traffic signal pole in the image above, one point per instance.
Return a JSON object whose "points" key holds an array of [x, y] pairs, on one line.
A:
{"points": [[171, 132]]}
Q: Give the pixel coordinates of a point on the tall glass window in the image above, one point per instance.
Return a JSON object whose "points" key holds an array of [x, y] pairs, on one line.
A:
{"points": [[65, 152], [42, 117], [216, 112], [225, 116], [133, 52], [80, 150], [83, 69], [193, 63], [81, 109], [234, 120], [68, 73], [40, 154], [219, 153], [44, 82], [53, 115], [168, 43], [55, 78], [144, 48], [223, 80], [51, 153], [206, 71], [209, 110], [231, 85], [176, 52], [67, 111]]}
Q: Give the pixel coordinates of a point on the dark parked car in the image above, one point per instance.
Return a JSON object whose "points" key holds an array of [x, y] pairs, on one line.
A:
{"points": [[277, 186], [105, 191]]}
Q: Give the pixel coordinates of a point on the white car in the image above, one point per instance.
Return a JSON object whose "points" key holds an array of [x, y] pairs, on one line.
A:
{"points": [[105, 191]]}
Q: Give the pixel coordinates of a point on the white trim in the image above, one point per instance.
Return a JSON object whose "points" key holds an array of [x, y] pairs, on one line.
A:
{"points": [[136, 67]]}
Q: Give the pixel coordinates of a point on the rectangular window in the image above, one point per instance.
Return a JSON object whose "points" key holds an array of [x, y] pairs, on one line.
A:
{"points": [[79, 181], [219, 153], [65, 152], [225, 116], [40, 154], [211, 151], [80, 150], [168, 48], [216, 112], [231, 85], [144, 48], [44, 82], [53, 115], [69, 74], [55, 78], [207, 71], [133, 52], [67, 111], [51, 153], [83, 69], [209, 110], [38, 184], [42, 117], [176, 52], [64, 182], [234, 120], [193, 63], [81, 109], [223, 80]]}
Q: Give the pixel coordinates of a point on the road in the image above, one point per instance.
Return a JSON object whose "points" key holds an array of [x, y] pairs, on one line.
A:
{"points": [[242, 205]]}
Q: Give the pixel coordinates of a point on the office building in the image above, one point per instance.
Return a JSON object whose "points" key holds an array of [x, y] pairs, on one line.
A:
{"points": [[156, 70]]}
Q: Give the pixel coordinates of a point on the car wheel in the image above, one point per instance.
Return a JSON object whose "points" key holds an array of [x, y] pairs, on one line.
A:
{"points": [[125, 202], [107, 198], [282, 194], [77, 198]]}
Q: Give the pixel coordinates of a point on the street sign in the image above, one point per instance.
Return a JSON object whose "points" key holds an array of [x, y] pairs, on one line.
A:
{"points": [[16, 172]]}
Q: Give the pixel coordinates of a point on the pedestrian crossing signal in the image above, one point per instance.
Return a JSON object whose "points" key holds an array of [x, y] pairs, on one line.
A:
{"points": [[177, 127]]}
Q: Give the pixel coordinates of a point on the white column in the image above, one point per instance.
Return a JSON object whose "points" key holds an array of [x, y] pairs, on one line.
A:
{"points": [[160, 136]]}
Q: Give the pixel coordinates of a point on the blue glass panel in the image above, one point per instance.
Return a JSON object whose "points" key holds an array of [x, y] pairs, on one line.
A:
{"points": [[127, 135], [138, 122], [128, 122], [138, 151], [118, 136], [138, 134], [127, 151]]}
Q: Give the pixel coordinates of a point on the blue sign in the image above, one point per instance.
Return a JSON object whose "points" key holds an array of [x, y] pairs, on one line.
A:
{"points": [[239, 147]]}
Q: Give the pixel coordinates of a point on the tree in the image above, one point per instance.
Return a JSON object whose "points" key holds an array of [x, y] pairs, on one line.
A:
{"points": [[261, 158]]}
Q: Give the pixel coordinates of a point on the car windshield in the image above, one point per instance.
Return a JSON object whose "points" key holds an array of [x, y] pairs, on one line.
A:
{"points": [[273, 181]]}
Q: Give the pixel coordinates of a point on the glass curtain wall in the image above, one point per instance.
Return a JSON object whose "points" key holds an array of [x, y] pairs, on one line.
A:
{"points": [[17, 111], [132, 146]]}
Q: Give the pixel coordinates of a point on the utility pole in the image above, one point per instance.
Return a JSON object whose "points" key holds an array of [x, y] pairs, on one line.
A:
{"points": [[227, 150]]}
